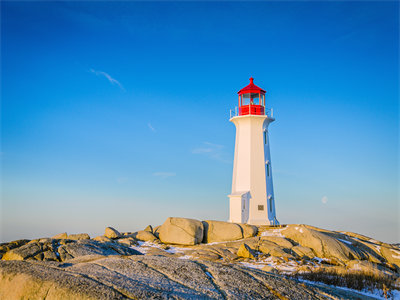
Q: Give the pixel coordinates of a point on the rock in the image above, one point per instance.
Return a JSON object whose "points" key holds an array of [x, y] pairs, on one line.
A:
{"points": [[218, 231], [366, 267], [79, 236], [4, 247], [112, 233], [102, 238], [26, 251], [304, 269], [181, 231], [150, 277], [49, 256], [246, 252], [321, 243], [91, 247], [128, 241], [269, 269], [205, 255], [226, 253], [280, 241], [145, 236], [155, 231], [248, 230], [149, 228], [391, 254], [303, 251], [60, 236]]}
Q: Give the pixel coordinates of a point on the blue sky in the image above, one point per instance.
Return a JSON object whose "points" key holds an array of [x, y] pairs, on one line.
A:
{"points": [[116, 114]]}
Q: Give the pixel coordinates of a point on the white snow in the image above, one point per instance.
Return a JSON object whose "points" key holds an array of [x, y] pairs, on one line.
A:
{"points": [[185, 257], [377, 294], [273, 232], [144, 247]]}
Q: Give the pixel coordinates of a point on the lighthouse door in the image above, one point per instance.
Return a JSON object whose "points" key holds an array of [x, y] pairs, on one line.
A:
{"points": [[245, 207]]}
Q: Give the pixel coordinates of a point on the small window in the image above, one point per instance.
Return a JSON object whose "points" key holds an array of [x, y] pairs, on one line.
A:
{"points": [[244, 205], [265, 137], [261, 207], [270, 204], [268, 169]]}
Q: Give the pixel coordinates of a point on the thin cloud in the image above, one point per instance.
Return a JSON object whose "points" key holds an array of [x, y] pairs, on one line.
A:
{"points": [[164, 174], [214, 151], [151, 127], [324, 200], [112, 80]]}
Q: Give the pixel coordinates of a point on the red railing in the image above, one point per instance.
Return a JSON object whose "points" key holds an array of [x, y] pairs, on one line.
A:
{"points": [[251, 109]]}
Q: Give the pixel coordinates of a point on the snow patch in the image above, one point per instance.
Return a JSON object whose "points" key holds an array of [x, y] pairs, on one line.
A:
{"points": [[376, 293], [273, 232]]}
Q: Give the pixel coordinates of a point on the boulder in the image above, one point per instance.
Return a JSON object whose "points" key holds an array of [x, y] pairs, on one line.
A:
{"points": [[128, 241], [321, 243], [303, 251], [145, 236], [112, 233], [181, 231], [79, 236], [4, 247], [280, 241], [155, 230], [60, 236], [246, 252], [219, 231], [149, 228], [102, 238], [26, 251], [91, 247], [248, 230]]}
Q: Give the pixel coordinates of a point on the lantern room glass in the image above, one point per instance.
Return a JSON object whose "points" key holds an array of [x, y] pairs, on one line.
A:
{"points": [[252, 98]]}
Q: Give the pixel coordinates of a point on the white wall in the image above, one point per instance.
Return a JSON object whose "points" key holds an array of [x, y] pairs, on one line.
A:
{"points": [[249, 170]]}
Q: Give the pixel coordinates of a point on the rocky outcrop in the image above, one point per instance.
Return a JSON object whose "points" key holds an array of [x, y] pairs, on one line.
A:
{"points": [[63, 235], [246, 252], [79, 236], [145, 236], [149, 228], [63, 250], [322, 244], [218, 231], [149, 277], [248, 230], [112, 233], [181, 231]]}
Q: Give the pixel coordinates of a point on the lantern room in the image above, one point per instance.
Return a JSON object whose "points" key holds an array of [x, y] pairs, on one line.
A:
{"points": [[251, 100]]}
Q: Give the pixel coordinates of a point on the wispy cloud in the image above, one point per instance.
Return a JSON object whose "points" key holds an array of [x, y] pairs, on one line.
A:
{"points": [[151, 127], [112, 80], [164, 174], [324, 200], [214, 151]]}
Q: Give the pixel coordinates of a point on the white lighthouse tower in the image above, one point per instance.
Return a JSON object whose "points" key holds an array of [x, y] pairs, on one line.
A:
{"points": [[252, 198]]}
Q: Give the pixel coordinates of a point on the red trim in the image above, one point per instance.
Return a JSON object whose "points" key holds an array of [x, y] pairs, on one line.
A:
{"points": [[251, 88], [252, 109]]}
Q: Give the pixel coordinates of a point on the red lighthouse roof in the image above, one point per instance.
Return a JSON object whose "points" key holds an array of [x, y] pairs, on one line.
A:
{"points": [[251, 88]]}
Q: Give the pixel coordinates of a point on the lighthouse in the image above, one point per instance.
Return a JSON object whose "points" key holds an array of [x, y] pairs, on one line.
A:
{"points": [[252, 199]]}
